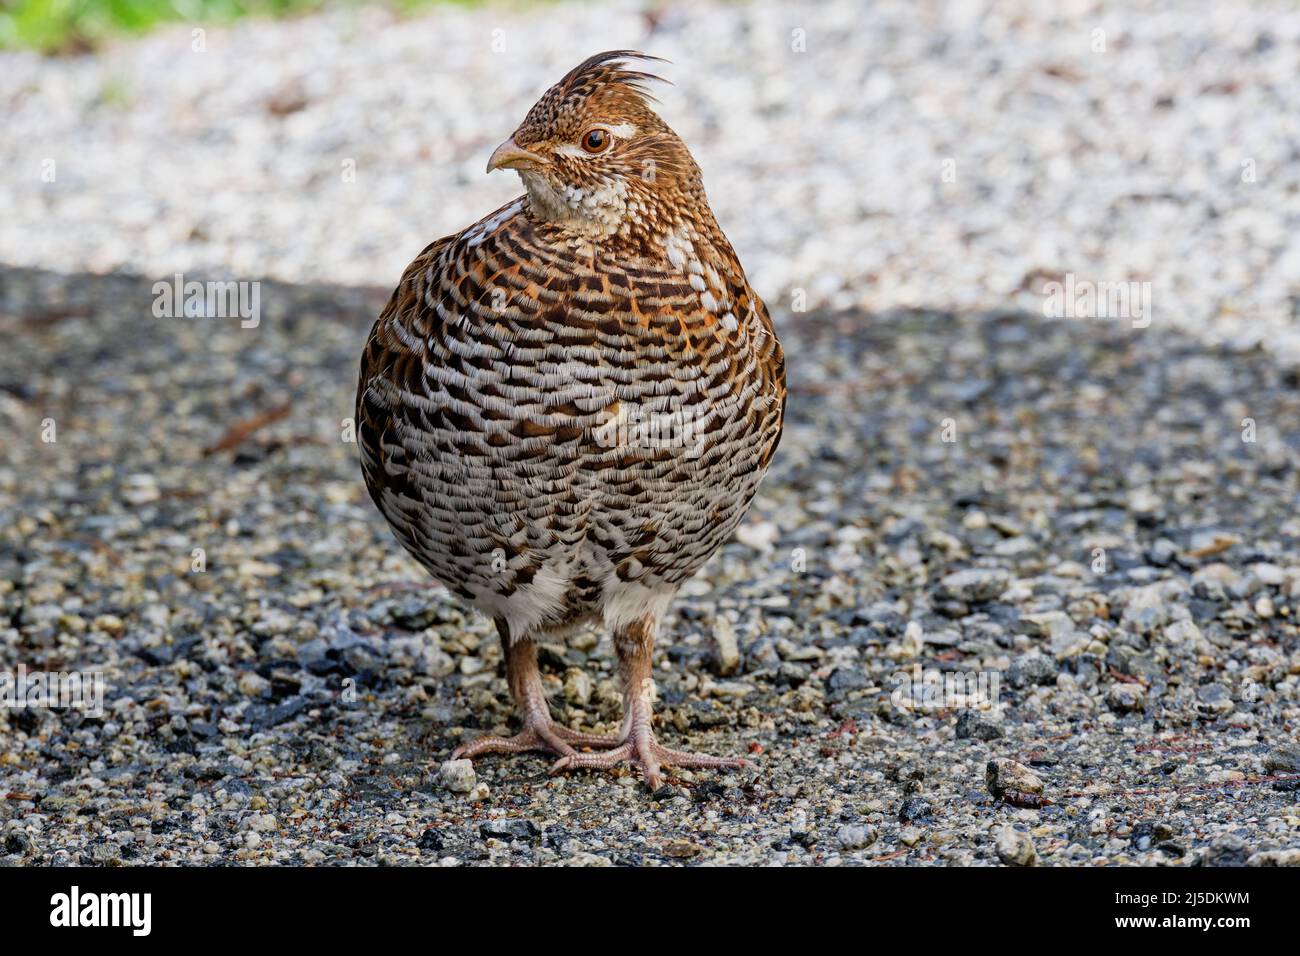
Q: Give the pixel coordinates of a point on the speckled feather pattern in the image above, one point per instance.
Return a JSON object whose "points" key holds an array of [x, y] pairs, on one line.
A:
{"points": [[502, 386]]}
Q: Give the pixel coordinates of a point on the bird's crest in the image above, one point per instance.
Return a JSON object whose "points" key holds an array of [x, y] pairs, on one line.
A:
{"points": [[609, 69], [603, 77]]}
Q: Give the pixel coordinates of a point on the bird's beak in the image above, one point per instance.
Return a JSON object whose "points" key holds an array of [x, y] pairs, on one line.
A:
{"points": [[510, 155]]}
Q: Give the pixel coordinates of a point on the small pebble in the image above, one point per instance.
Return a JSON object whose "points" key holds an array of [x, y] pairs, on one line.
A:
{"points": [[1015, 847], [458, 775]]}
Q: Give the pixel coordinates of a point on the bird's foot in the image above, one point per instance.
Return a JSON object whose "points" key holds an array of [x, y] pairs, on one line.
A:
{"points": [[650, 755], [543, 735]]}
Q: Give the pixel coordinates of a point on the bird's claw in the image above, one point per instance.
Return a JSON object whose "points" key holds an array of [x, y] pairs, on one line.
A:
{"points": [[650, 755], [548, 737]]}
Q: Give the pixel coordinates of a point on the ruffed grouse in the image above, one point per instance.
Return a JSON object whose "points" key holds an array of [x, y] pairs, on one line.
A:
{"points": [[566, 408]]}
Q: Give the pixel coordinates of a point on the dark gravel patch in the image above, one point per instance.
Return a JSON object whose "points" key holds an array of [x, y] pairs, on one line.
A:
{"points": [[1097, 535]]}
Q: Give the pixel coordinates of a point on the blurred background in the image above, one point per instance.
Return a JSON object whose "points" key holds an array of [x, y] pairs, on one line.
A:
{"points": [[891, 154]]}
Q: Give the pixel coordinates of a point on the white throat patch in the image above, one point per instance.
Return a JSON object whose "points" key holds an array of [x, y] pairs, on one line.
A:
{"points": [[598, 211]]}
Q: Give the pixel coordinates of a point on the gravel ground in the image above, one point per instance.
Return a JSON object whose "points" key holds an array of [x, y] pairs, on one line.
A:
{"points": [[1104, 517], [1149, 700]]}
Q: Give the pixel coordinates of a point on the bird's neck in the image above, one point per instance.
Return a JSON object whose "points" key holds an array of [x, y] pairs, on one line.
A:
{"points": [[596, 214], [620, 213]]}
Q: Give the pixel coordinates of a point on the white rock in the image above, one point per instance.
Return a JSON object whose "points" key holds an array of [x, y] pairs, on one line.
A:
{"points": [[458, 775], [760, 535], [1015, 847], [725, 646], [856, 837], [577, 686]]}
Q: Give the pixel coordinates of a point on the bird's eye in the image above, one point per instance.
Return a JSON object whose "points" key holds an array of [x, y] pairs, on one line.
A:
{"points": [[596, 140]]}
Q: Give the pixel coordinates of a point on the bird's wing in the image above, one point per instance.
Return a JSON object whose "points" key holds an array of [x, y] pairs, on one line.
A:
{"points": [[771, 359], [392, 359], [763, 348]]}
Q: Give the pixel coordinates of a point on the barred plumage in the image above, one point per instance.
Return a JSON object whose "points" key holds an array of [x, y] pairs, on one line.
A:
{"points": [[566, 408]]}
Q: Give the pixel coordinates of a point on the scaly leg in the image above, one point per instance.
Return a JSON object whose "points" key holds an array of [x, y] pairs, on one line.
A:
{"points": [[637, 744], [540, 732]]}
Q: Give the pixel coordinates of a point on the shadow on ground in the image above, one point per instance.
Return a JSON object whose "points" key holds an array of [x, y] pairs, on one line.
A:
{"points": [[1103, 518]]}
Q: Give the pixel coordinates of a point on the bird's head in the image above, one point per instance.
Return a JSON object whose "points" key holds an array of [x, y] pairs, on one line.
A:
{"points": [[596, 158]]}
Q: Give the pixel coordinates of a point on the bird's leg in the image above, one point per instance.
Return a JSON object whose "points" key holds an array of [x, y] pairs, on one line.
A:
{"points": [[635, 645], [540, 732]]}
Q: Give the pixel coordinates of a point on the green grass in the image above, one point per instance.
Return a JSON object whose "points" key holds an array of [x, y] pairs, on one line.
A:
{"points": [[72, 26]]}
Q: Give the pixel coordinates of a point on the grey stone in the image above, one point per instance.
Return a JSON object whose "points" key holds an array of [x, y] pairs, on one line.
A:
{"points": [[975, 585], [1015, 847]]}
